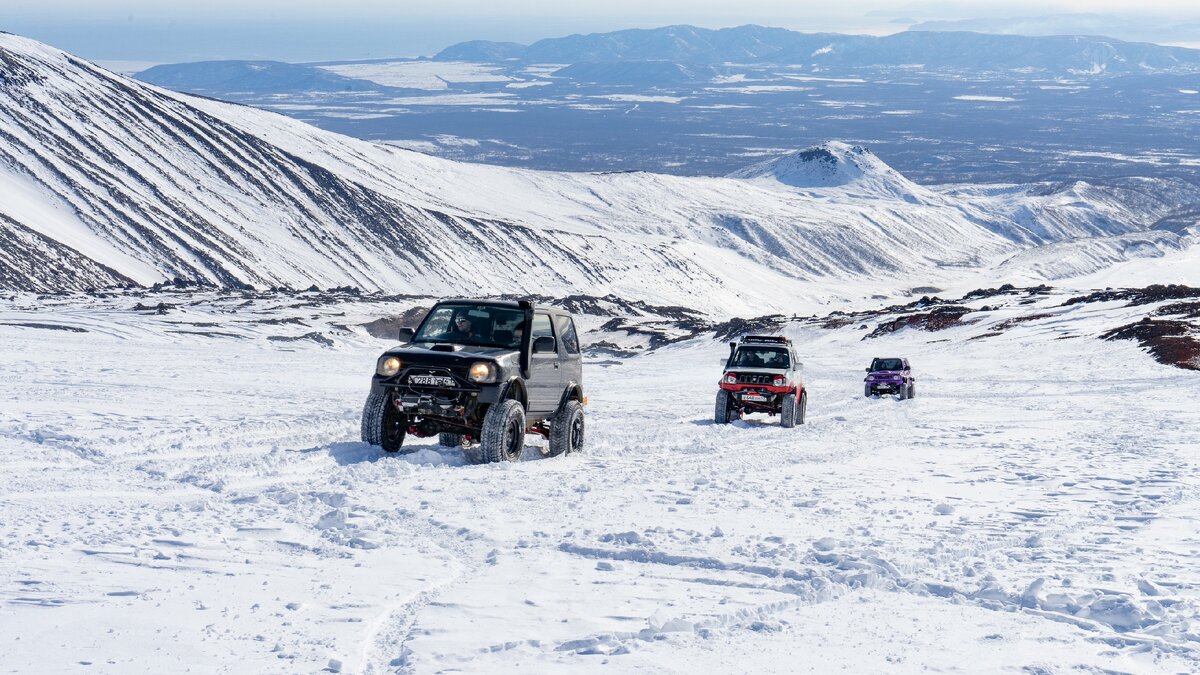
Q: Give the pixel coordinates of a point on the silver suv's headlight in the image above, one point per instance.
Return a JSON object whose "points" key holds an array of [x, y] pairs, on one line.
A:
{"points": [[482, 372], [387, 366]]}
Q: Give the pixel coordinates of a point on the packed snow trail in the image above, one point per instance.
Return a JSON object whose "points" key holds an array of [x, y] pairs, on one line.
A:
{"points": [[176, 501]]}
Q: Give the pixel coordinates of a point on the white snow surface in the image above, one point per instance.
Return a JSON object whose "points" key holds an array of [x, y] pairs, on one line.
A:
{"points": [[186, 491], [177, 186], [180, 492]]}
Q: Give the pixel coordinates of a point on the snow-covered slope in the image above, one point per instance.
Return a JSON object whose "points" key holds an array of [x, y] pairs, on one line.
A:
{"points": [[1158, 255], [106, 180], [191, 504]]}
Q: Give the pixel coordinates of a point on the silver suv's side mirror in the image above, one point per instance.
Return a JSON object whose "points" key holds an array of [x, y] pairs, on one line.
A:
{"points": [[544, 345]]}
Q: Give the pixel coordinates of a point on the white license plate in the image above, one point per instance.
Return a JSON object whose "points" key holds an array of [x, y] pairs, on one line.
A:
{"points": [[754, 397], [431, 380]]}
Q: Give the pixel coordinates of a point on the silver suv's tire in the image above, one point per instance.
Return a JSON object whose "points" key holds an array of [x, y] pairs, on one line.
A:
{"points": [[382, 424], [372, 415], [566, 430], [503, 437]]}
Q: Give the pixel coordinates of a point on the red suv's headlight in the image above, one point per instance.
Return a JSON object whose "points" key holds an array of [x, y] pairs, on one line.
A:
{"points": [[730, 378], [779, 381]]}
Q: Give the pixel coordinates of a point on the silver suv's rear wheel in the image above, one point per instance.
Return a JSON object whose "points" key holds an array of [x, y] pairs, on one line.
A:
{"points": [[566, 430]]}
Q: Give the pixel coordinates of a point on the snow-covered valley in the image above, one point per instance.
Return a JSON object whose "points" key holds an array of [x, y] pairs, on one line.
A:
{"points": [[183, 487], [107, 181], [186, 489]]}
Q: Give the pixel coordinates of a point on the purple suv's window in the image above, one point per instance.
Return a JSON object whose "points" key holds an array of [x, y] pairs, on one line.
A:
{"points": [[887, 364]]}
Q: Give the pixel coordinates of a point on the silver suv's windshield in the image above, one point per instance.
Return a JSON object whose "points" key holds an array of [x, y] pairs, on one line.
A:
{"points": [[887, 364], [760, 357], [469, 324]]}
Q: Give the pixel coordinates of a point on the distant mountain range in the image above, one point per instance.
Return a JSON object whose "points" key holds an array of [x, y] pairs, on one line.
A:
{"points": [[759, 44], [675, 54]]}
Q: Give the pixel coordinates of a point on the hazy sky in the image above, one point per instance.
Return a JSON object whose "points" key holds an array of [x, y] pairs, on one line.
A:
{"points": [[299, 30]]}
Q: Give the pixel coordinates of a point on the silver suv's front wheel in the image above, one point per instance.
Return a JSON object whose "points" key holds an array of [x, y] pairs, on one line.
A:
{"points": [[503, 437], [382, 424]]}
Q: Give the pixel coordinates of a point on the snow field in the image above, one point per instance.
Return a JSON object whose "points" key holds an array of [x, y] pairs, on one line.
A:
{"points": [[176, 499]]}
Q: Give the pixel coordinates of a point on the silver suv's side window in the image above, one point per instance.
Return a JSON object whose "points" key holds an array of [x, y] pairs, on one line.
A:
{"points": [[566, 328], [541, 326]]}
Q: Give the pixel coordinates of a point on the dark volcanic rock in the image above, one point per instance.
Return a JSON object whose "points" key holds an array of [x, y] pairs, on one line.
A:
{"points": [[388, 328], [1009, 323], [48, 326], [1139, 296], [160, 308], [313, 337], [606, 348], [656, 336], [1173, 343], [940, 318], [1187, 310], [738, 327], [1006, 289]]}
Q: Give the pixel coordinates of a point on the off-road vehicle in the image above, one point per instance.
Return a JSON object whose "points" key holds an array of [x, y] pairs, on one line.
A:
{"points": [[481, 374], [890, 376], [762, 375]]}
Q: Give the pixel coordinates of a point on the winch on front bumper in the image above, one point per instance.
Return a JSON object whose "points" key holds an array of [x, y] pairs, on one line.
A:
{"points": [[431, 404], [422, 391]]}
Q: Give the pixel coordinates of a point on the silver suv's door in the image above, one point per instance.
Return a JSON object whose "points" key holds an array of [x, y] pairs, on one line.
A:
{"points": [[569, 349], [545, 372]]}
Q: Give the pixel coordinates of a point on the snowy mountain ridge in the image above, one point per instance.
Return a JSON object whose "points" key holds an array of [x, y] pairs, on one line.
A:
{"points": [[942, 50], [110, 181]]}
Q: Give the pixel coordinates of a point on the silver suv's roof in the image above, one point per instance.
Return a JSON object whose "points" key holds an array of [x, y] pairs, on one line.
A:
{"points": [[514, 304]]}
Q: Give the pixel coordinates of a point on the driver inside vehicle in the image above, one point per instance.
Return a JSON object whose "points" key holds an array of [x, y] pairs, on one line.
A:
{"points": [[461, 328]]}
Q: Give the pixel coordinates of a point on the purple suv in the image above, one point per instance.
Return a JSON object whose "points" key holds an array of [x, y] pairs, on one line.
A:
{"points": [[890, 376]]}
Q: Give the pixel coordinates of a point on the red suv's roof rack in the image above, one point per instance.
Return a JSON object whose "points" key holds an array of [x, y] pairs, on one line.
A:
{"points": [[766, 338]]}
